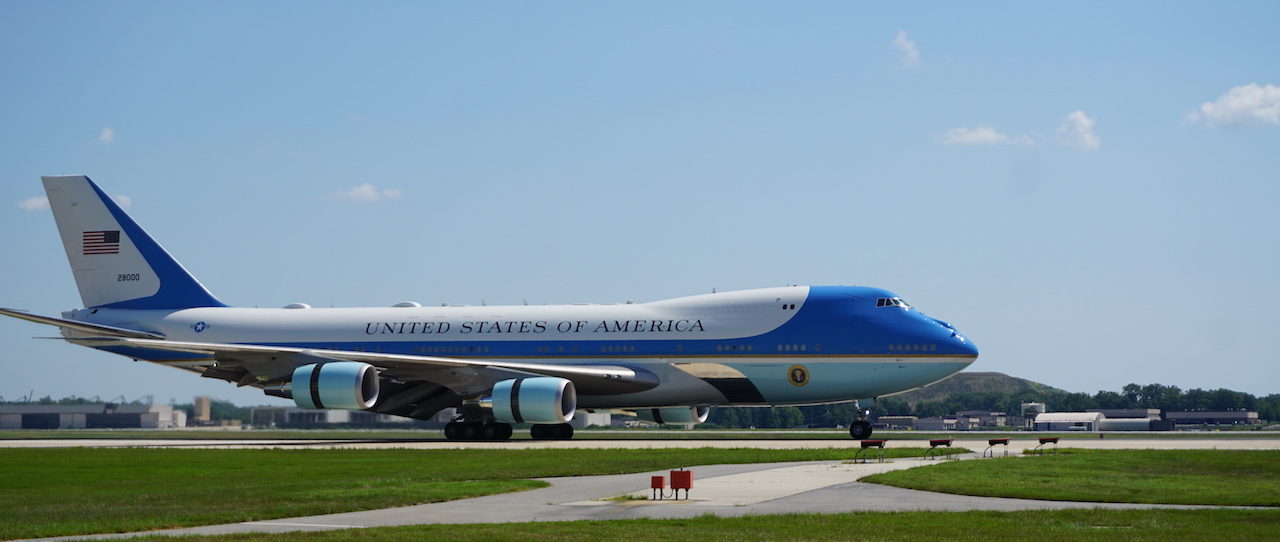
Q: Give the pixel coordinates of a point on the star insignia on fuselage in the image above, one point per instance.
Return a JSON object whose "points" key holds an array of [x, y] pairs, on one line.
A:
{"points": [[199, 327]]}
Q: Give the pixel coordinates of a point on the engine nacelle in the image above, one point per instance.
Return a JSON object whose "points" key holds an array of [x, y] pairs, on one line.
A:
{"points": [[675, 415], [541, 399], [348, 385]]}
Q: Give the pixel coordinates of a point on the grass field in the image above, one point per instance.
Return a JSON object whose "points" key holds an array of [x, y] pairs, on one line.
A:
{"points": [[1046, 526], [49, 492], [1216, 477]]}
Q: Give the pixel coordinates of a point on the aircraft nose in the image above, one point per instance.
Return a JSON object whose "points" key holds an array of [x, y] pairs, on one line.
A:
{"points": [[958, 344], [966, 346]]}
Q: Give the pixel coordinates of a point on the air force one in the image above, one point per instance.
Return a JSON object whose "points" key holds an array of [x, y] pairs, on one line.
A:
{"points": [[667, 361]]}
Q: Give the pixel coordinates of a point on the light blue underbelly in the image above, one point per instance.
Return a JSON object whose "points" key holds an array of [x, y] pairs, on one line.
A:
{"points": [[833, 379]]}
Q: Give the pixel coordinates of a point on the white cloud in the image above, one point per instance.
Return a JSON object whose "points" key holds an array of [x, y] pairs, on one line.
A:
{"points": [[1077, 130], [1245, 104], [367, 193], [910, 55], [123, 200], [107, 136], [34, 204], [981, 135]]}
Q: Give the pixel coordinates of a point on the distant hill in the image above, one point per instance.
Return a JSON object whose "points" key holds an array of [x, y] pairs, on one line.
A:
{"points": [[966, 382]]}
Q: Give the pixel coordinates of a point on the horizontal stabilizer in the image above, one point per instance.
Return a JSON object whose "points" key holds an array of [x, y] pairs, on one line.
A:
{"points": [[96, 329]]}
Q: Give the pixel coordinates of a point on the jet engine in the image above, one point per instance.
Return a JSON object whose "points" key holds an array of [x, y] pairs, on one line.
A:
{"points": [[689, 415], [541, 399], [349, 385]]}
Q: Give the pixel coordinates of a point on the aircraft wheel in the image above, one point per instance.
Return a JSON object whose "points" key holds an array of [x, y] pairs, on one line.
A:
{"points": [[453, 430], [860, 430], [471, 431], [562, 431], [539, 432], [496, 431]]}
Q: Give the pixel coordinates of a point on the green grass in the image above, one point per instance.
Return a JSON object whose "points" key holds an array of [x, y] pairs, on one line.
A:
{"points": [[49, 492], [1040, 526], [1212, 477]]}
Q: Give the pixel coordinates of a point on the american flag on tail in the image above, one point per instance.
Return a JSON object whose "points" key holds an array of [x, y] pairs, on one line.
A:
{"points": [[101, 242]]}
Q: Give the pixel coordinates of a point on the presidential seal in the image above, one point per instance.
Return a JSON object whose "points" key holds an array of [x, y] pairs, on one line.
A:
{"points": [[798, 375]]}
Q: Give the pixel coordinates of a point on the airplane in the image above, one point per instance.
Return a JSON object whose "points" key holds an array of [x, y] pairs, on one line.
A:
{"points": [[666, 361]]}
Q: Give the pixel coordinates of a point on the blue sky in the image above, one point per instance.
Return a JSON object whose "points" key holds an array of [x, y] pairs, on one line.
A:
{"points": [[1087, 190]]}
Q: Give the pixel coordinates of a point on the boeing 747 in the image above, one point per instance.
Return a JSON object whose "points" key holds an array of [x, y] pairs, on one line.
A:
{"points": [[667, 361]]}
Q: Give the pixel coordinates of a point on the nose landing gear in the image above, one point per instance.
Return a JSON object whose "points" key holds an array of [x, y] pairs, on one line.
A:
{"points": [[860, 429]]}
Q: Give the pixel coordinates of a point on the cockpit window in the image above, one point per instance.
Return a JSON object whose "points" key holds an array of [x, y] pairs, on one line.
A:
{"points": [[892, 302]]}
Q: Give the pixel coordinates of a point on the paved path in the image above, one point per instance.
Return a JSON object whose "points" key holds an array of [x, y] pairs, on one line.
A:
{"points": [[723, 490]]}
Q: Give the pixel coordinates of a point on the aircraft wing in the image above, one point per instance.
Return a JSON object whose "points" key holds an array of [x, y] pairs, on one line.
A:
{"points": [[415, 386], [276, 363]]}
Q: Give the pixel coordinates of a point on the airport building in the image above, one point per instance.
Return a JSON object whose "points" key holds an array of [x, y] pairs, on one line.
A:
{"points": [[306, 417], [583, 419], [896, 422], [1110, 413], [1069, 421], [1213, 417], [950, 423], [203, 410], [985, 418], [1131, 419], [91, 416]]}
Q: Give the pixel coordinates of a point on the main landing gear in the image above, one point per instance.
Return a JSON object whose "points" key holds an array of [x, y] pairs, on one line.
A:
{"points": [[498, 431], [551, 431], [860, 429], [477, 431]]}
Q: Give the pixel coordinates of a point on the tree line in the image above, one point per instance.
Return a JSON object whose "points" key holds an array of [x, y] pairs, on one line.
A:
{"points": [[1158, 396]]}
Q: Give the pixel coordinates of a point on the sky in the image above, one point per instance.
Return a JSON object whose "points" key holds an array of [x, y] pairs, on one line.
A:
{"points": [[1087, 190]]}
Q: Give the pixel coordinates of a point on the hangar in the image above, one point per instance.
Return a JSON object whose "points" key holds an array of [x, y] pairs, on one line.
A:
{"points": [[91, 416], [1069, 421], [1218, 417]]}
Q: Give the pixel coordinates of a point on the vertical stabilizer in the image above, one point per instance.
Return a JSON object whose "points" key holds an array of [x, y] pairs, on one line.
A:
{"points": [[115, 263]]}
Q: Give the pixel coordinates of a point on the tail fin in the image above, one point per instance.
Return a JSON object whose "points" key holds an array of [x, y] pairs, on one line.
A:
{"points": [[116, 264]]}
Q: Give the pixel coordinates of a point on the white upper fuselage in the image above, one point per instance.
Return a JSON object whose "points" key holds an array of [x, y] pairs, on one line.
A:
{"points": [[847, 345]]}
